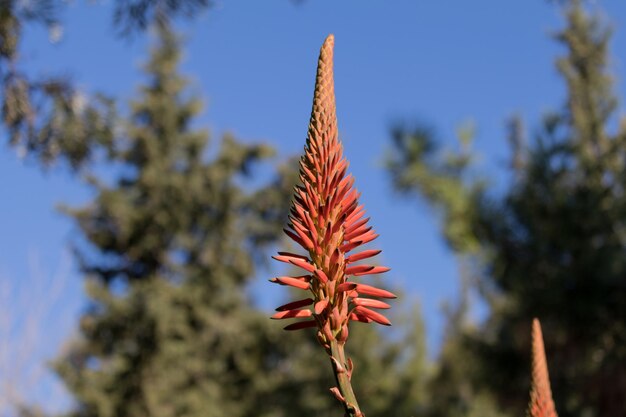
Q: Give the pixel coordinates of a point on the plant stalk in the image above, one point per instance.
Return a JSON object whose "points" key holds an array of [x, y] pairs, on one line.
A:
{"points": [[342, 376]]}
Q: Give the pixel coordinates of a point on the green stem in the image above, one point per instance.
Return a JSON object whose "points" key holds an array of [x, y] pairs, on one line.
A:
{"points": [[342, 377]]}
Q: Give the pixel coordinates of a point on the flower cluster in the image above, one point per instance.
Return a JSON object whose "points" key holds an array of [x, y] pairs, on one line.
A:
{"points": [[328, 222]]}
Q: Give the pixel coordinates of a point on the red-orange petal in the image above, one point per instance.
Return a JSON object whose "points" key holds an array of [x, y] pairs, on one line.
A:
{"points": [[344, 182], [302, 264], [297, 225], [295, 237], [295, 304], [349, 246], [368, 302], [320, 306], [301, 325], [364, 238], [357, 233], [308, 173], [344, 186], [351, 227], [371, 314], [375, 270], [294, 255], [321, 275], [336, 255], [364, 289], [357, 213], [354, 270], [291, 314], [307, 243], [309, 221], [347, 286], [293, 282], [362, 255], [282, 258], [349, 210], [359, 317]]}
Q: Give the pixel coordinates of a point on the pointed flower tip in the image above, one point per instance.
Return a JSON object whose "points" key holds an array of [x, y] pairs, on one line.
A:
{"points": [[326, 51], [538, 348]]}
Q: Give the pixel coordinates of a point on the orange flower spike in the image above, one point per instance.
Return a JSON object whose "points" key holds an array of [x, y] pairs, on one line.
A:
{"points": [[328, 222], [541, 404]]}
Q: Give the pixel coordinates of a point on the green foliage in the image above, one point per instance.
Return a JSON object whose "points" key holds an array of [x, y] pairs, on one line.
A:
{"points": [[135, 15], [47, 116], [168, 350], [169, 331], [552, 246], [454, 387], [417, 165]]}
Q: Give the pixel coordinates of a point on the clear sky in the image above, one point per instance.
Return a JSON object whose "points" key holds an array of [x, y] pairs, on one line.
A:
{"points": [[440, 62]]}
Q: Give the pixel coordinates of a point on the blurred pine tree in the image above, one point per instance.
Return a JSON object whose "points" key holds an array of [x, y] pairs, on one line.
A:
{"points": [[171, 244], [48, 117], [553, 246]]}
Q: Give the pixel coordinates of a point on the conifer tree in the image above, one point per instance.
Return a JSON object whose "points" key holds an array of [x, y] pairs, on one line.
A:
{"points": [[553, 245], [170, 247], [48, 117]]}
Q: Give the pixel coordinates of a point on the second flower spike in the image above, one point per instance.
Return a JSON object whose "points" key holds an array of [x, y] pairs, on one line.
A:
{"points": [[541, 404]]}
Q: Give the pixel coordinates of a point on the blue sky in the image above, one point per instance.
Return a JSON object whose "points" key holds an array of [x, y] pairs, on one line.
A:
{"points": [[440, 62]]}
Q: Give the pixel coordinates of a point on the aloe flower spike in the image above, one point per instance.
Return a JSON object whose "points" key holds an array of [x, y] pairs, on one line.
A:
{"points": [[327, 222], [541, 404]]}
